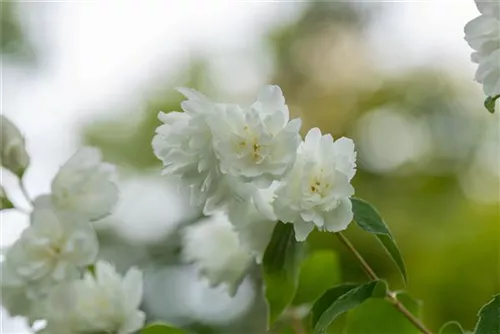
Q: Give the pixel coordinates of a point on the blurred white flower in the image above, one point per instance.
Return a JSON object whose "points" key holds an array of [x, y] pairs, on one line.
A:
{"points": [[100, 302], [184, 145], [52, 249], [316, 191], [213, 246], [85, 185], [257, 144], [483, 35], [254, 221], [13, 155]]}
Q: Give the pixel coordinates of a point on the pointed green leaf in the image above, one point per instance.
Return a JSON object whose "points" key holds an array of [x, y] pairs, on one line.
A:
{"points": [[451, 327], [318, 272], [367, 217], [379, 316], [489, 103], [281, 265], [161, 328], [489, 318], [339, 300]]}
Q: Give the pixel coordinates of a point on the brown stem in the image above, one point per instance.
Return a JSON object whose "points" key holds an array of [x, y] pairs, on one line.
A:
{"points": [[297, 324], [391, 296]]}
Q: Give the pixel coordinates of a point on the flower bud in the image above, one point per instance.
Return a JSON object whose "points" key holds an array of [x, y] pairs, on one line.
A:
{"points": [[13, 155]]}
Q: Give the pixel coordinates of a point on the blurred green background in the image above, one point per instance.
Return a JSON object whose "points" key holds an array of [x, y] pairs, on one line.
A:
{"points": [[428, 155]]}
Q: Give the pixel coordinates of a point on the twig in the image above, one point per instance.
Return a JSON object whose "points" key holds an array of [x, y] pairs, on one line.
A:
{"points": [[391, 296], [25, 192]]}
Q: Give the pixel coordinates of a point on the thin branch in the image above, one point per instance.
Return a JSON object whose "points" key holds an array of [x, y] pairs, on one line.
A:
{"points": [[391, 296], [25, 192], [366, 267]]}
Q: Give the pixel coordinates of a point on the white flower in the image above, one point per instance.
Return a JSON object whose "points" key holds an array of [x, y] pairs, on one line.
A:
{"points": [[483, 35], [257, 144], [254, 221], [213, 245], [85, 185], [105, 302], [184, 144], [13, 155], [316, 191], [50, 250]]}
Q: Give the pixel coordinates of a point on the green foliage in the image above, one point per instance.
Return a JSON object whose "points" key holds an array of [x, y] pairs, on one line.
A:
{"points": [[281, 266], [5, 202], [489, 103], [367, 217], [14, 42], [489, 318], [339, 300], [379, 316], [319, 272], [161, 328], [451, 327]]}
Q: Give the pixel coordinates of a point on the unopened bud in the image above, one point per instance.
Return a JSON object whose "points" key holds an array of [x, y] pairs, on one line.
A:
{"points": [[13, 155]]}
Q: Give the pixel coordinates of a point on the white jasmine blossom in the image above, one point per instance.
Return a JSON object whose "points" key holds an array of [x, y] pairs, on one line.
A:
{"points": [[13, 155], [316, 191], [257, 144], [85, 185], [254, 221], [184, 144], [52, 249], [105, 302], [213, 246], [483, 35]]}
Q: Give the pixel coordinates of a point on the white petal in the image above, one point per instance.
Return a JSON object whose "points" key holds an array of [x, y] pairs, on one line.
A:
{"points": [[339, 218], [302, 230], [133, 284], [134, 323], [312, 140]]}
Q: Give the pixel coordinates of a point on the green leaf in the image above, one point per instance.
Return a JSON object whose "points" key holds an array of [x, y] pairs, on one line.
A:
{"points": [[5, 202], [379, 316], [339, 300], [367, 217], [319, 272], [489, 103], [281, 266], [489, 318], [451, 327], [161, 328]]}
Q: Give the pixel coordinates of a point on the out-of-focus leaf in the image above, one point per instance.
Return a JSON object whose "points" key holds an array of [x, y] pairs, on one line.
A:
{"points": [[489, 318], [319, 272], [379, 316], [367, 217], [281, 266], [339, 300], [161, 328], [451, 327]]}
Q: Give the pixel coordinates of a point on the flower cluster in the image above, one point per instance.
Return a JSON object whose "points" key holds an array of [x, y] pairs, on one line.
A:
{"points": [[52, 255], [483, 35], [251, 163]]}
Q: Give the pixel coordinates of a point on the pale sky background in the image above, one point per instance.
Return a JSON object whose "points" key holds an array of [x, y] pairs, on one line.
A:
{"points": [[102, 52]]}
